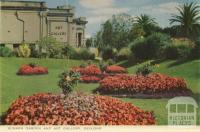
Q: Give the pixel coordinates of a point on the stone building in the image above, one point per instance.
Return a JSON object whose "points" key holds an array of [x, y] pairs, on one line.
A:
{"points": [[29, 21]]}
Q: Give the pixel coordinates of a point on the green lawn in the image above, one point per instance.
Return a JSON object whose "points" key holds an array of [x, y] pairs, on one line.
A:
{"points": [[12, 85]]}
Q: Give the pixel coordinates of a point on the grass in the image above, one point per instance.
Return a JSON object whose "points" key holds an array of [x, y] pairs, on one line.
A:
{"points": [[12, 85]]}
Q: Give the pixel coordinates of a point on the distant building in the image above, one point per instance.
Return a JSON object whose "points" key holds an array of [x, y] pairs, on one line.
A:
{"points": [[29, 21]]}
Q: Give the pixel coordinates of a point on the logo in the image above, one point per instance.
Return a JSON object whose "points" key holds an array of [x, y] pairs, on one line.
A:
{"points": [[182, 111]]}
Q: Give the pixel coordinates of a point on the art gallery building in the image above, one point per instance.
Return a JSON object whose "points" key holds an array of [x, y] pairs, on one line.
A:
{"points": [[29, 21]]}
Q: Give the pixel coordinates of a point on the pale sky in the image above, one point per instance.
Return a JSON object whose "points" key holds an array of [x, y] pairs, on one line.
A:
{"points": [[98, 11]]}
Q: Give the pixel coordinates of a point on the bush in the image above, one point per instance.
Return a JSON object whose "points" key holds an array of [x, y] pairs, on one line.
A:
{"points": [[68, 80], [68, 51], [5, 52], [177, 52], [34, 52], [108, 53], [123, 54], [24, 50], [86, 54], [144, 70], [195, 52], [148, 48]]}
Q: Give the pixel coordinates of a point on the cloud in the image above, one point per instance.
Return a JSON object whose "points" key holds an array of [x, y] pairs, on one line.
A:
{"points": [[93, 4], [164, 8], [99, 11]]}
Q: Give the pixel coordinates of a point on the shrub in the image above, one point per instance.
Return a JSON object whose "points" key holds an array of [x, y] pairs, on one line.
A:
{"points": [[68, 80], [144, 70], [110, 62], [195, 52], [68, 51], [5, 52], [124, 54], [50, 47], [108, 53], [103, 65], [34, 52], [24, 50], [148, 48], [177, 52], [75, 109], [85, 54]]}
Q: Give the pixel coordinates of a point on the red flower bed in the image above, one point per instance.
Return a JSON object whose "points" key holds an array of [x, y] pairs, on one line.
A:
{"points": [[113, 69], [32, 70], [89, 74], [48, 109], [153, 84], [90, 79], [92, 74], [88, 70]]}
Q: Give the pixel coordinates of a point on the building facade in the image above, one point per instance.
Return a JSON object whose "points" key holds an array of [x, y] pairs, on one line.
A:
{"points": [[29, 21]]}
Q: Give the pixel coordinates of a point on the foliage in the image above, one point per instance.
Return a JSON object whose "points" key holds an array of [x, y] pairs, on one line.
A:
{"points": [[188, 20], [144, 70], [177, 52], [68, 51], [148, 48], [123, 54], [24, 50], [88, 42], [68, 80], [114, 32], [49, 47], [108, 53], [34, 52], [5, 51], [195, 52], [110, 62], [145, 26]]}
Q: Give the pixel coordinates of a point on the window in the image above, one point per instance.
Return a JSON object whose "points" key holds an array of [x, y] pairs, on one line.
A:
{"points": [[15, 46], [79, 39]]}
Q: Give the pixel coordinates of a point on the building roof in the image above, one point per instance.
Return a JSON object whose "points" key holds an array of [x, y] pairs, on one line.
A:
{"points": [[182, 100]]}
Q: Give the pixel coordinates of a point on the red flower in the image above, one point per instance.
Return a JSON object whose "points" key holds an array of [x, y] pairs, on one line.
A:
{"points": [[115, 69], [151, 84], [48, 109], [28, 70]]}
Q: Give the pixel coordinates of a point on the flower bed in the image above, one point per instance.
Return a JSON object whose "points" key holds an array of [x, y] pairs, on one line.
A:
{"points": [[89, 74], [92, 74], [49, 109], [32, 70], [113, 69], [153, 85]]}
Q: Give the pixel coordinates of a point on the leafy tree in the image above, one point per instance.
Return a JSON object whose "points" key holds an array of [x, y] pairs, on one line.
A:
{"points": [[147, 24], [114, 32], [49, 46], [89, 42], [188, 20]]}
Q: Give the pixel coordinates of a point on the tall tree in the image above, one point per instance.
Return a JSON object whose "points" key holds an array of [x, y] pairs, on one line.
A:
{"points": [[188, 20], [146, 23]]}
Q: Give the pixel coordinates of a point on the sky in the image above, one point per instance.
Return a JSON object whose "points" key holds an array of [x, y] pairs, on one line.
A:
{"points": [[98, 11]]}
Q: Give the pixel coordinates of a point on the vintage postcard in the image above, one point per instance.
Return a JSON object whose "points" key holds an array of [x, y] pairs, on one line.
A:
{"points": [[84, 65]]}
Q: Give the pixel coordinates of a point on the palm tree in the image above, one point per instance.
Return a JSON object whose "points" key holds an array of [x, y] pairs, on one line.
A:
{"points": [[188, 20], [146, 23]]}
